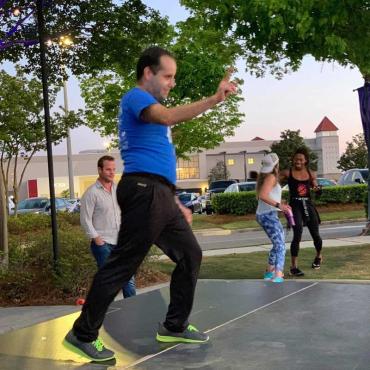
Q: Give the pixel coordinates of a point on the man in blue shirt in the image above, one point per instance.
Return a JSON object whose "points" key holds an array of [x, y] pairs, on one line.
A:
{"points": [[151, 212]]}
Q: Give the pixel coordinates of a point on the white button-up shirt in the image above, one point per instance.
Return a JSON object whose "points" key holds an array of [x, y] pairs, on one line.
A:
{"points": [[100, 213]]}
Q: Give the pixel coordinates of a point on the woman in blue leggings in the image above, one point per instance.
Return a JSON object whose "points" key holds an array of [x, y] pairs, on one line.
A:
{"points": [[269, 203]]}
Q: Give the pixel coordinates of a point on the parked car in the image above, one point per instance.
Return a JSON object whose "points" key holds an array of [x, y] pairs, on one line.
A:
{"points": [[216, 187], [190, 200], [241, 186], [202, 200], [40, 205], [73, 205], [321, 181], [354, 176], [10, 204]]}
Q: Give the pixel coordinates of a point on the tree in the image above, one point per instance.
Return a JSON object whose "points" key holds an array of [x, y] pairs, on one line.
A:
{"points": [[22, 126], [4, 247], [65, 193], [218, 172], [202, 61], [104, 32], [289, 143], [355, 155], [278, 34]]}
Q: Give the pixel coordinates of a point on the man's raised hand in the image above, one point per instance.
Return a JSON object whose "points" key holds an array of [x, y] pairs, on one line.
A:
{"points": [[226, 87]]}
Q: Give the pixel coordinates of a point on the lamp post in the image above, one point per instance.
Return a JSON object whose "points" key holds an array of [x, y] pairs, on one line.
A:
{"points": [[244, 152], [225, 168], [54, 226], [64, 42]]}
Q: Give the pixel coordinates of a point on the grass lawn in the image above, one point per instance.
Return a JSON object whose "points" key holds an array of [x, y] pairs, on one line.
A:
{"points": [[339, 263], [230, 222]]}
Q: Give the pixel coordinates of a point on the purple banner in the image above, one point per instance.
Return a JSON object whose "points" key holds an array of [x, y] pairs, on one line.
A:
{"points": [[364, 98]]}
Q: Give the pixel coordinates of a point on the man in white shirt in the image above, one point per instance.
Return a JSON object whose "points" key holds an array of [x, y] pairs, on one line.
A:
{"points": [[101, 216]]}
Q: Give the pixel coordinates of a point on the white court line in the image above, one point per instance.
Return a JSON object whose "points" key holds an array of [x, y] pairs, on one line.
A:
{"points": [[114, 309], [261, 308], [146, 358], [342, 227]]}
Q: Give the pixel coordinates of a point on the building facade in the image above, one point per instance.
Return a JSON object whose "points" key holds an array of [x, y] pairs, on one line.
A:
{"points": [[241, 158]]}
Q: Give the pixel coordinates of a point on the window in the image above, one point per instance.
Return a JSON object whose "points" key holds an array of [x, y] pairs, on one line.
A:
{"points": [[250, 160], [231, 189], [247, 187], [230, 162], [188, 169]]}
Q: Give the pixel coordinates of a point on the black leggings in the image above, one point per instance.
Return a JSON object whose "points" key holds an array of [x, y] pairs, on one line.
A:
{"points": [[312, 224]]}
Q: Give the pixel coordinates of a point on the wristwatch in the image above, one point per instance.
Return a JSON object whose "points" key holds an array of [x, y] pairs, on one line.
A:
{"points": [[277, 205]]}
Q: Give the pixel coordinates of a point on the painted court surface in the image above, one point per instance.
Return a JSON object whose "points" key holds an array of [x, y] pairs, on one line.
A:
{"points": [[252, 324]]}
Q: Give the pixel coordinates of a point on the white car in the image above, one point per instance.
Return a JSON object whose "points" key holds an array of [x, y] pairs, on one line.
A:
{"points": [[241, 186], [11, 204], [203, 201]]}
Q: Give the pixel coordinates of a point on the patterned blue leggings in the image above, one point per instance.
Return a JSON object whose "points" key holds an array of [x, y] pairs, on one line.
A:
{"points": [[272, 226]]}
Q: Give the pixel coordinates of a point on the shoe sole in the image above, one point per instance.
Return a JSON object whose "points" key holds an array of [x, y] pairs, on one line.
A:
{"points": [[290, 274], [169, 339], [71, 347]]}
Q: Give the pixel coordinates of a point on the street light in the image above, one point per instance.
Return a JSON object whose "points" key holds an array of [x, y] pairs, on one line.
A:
{"points": [[65, 42], [44, 78], [244, 152], [225, 168]]}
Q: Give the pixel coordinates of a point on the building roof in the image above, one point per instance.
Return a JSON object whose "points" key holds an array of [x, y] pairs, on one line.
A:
{"points": [[257, 138], [326, 125]]}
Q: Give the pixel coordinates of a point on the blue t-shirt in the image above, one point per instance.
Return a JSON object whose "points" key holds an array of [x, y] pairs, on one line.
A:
{"points": [[145, 146]]}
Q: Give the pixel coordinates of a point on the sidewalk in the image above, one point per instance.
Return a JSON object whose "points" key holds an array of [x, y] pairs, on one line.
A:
{"points": [[12, 318], [328, 243], [220, 231]]}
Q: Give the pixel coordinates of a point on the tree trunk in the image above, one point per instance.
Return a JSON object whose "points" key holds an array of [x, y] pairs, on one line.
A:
{"points": [[4, 248]]}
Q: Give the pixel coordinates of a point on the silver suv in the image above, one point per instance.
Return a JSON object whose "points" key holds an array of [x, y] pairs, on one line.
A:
{"points": [[354, 176]]}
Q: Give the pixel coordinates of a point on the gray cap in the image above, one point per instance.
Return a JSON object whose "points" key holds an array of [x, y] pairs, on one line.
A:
{"points": [[269, 161]]}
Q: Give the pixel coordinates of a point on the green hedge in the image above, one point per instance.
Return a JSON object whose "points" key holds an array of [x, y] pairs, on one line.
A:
{"points": [[246, 202], [31, 277], [39, 222], [342, 194]]}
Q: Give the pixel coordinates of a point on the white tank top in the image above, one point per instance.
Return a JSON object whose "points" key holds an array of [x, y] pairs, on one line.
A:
{"points": [[275, 194]]}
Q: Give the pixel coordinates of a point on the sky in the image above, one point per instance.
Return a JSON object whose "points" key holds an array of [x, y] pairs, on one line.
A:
{"points": [[299, 101]]}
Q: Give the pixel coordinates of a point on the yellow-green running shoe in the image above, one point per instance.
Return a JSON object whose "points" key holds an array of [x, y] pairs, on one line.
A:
{"points": [[190, 335]]}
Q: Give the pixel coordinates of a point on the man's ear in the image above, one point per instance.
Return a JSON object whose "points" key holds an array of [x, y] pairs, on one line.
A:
{"points": [[147, 73]]}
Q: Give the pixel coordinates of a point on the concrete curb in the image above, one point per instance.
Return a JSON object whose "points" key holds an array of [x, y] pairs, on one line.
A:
{"points": [[328, 243], [220, 231]]}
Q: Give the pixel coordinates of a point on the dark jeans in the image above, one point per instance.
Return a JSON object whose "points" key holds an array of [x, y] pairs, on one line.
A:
{"points": [[312, 224], [101, 253], [149, 216]]}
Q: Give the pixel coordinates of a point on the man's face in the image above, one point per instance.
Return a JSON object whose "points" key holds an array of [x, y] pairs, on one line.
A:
{"points": [[108, 171], [161, 83]]}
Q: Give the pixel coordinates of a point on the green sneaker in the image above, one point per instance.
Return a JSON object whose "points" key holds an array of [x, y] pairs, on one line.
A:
{"points": [[190, 335], [94, 351]]}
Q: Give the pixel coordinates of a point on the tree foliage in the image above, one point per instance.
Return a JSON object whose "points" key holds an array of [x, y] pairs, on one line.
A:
{"points": [[22, 125], [218, 172], [202, 59], [276, 35], [104, 32], [355, 155], [285, 148]]}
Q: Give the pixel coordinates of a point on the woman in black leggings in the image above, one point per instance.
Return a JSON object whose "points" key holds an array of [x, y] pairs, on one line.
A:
{"points": [[301, 182]]}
